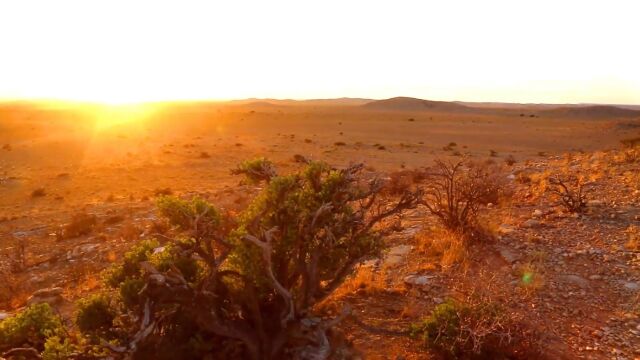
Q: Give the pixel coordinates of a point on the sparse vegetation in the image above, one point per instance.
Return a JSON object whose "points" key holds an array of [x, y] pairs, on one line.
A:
{"points": [[633, 238], [402, 181], [570, 190], [39, 192], [510, 160], [162, 191], [246, 286], [29, 328], [454, 193], [80, 224], [630, 142], [256, 170], [94, 314], [475, 329]]}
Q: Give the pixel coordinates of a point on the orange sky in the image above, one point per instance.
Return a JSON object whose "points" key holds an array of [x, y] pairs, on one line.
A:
{"points": [[130, 51]]}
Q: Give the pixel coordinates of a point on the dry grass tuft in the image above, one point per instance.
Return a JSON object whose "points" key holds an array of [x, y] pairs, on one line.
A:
{"points": [[633, 238], [39, 192], [366, 281], [81, 224], [447, 246]]}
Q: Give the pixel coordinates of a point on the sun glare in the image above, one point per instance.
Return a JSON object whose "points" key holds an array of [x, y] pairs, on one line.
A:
{"points": [[109, 116]]}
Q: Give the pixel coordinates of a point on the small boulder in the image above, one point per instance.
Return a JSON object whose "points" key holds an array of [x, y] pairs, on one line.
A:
{"points": [[50, 296], [632, 286], [397, 255], [506, 229], [595, 203], [575, 280], [508, 255], [417, 280], [531, 223]]}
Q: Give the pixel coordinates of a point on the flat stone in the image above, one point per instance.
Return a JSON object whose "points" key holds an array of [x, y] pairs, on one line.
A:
{"points": [[50, 296], [536, 213], [595, 203], [400, 250], [575, 279], [508, 255], [4, 315], [531, 223], [417, 280], [595, 277], [78, 251], [506, 229], [633, 286]]}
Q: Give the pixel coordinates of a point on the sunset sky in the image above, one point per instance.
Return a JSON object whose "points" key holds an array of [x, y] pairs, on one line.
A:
{"points": [[131, 51]]}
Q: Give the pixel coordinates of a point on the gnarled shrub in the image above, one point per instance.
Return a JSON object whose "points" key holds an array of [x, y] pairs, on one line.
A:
{"points": [[570, 190], [476, 330], [455, 192], [244, 287]]}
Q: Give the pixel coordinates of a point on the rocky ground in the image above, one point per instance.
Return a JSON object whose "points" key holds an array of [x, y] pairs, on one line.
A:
{"points": [[573, 277]]}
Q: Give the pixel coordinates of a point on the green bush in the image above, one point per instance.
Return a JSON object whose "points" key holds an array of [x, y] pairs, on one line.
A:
{"points": [[182, 213], [95, 313], [129, 291], [57, 348], [256, 170], [477, 330], [130, 266], [30, 327], [243, 287]]}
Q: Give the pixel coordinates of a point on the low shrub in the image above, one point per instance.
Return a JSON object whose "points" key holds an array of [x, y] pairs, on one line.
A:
{"points": [[404, 180], [510, 160], [95, 314], [478, 330], [455, 192], [39, 192], [570, 190], [81, 224], [246, 286], [256, 170], [29, 328]]}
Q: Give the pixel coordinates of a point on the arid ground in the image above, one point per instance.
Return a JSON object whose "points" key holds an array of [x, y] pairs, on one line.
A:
{"points": [[60, 160]]}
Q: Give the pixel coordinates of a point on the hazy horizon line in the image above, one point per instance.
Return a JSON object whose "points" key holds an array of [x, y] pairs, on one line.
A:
{"points": [[226, 100]]}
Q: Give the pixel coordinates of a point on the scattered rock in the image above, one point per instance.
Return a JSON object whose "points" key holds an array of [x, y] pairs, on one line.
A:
{"points": [[397, 255], [158, 250], [4, 315], [575, 279], [531, 223], [633, 286], [417, 280], [81, 250], [595, 203], [506, 229], [536, 213], [50, 296], [508, 255], [595, 277]]}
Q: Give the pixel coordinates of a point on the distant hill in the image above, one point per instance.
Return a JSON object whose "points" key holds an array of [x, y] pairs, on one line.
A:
{"points": [[413, 104], [593, 111], [290, 102]]}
